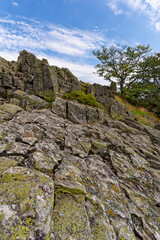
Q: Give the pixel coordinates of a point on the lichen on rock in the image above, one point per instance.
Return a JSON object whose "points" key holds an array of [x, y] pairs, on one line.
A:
{"points": [[72, 172]]}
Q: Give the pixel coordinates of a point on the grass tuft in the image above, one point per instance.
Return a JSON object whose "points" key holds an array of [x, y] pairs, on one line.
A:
{"points": [[141, 114]]}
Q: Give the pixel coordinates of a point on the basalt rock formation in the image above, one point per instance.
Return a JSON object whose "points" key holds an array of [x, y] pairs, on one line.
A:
{"points": [[37, 77], [71, 172], [34, 76]]}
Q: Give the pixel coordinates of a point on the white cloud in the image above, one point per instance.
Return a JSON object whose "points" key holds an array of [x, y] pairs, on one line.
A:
{"points": [[63, 47], [82, 71], [32, 35], [113, 6], [157, 26], [9, 55], [15, 4], [148, 7]]}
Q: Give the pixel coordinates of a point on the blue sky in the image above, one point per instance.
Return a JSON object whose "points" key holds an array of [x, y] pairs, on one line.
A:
{"points": [[67, 31]]}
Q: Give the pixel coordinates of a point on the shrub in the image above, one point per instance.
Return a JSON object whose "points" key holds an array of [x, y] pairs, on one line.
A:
{"points": [[48, 97], [82, 97]]}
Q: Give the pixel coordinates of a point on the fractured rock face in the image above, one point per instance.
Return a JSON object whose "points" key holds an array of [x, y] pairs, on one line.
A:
{"points": [[64, 180], [78, 113], [34, 76], [72, 172]]}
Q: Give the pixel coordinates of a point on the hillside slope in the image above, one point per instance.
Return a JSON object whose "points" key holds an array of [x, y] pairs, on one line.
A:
{"points": [[73, 173]]}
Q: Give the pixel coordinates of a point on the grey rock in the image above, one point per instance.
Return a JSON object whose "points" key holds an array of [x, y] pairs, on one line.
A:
{"points": [[59, 107], [28, 102], [34, 76], [102, 93], [92, 114], [10, 108], [157, 126], [76, 112], [119, 110], [78, 181], [72, 172]]}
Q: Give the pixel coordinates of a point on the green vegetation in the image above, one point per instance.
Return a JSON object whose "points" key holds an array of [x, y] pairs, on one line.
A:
{"points": [[145, 95], [136, 72], [84, 87], [82, 97], [141, 113], [121, 63], [49, 100], [49, 97]]}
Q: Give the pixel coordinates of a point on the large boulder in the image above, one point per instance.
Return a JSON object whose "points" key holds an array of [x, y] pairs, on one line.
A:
{"points": [[59, 107], [37, 74], [102, 93], [76, 112]]}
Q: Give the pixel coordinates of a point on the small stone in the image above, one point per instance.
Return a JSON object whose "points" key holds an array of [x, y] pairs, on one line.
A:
{"points": [[10, 108]]}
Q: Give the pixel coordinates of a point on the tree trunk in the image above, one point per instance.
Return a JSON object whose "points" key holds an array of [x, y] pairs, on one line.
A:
{"points": [[122, 87]]}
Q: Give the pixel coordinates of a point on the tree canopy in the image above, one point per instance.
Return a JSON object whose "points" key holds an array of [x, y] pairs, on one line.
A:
{"points": [[121, 63], [136, 72]]}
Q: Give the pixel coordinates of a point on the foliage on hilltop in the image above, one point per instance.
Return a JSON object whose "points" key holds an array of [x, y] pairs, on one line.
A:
{"points": [[136, 72]]}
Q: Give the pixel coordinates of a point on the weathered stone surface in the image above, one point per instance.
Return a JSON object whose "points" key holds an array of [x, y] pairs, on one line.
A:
{"points": [[6, 163], [59, 107], [66, 80], [157, 127], [92, 114], [10, 108], [35, 76], [27, 198], [119, 110], [76, 112], [106, 96], [102, 93], [74, 181], [73, 173], [28, 102]]}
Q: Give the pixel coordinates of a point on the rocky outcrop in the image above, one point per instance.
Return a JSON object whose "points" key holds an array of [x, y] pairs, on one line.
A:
{"points": [[106, 96], [34, 76], [64, 175], [69, 171], [78, 113]]}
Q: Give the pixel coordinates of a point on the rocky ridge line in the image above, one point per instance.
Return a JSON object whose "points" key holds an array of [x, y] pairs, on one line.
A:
{"points": [[38, 80]]}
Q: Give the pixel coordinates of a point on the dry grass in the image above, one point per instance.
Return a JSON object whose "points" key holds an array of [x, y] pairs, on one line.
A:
{"points": [[141, 114]]}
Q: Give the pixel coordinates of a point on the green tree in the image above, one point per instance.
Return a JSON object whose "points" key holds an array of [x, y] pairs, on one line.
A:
{"points": [[149, 69], [121, 63], [145, 94]]}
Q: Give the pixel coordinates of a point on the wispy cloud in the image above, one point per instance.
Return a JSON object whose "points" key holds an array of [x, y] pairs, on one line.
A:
{"points": [[148, 7], [114, 7], [64, 47], [34, 35], [15, 4]]}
